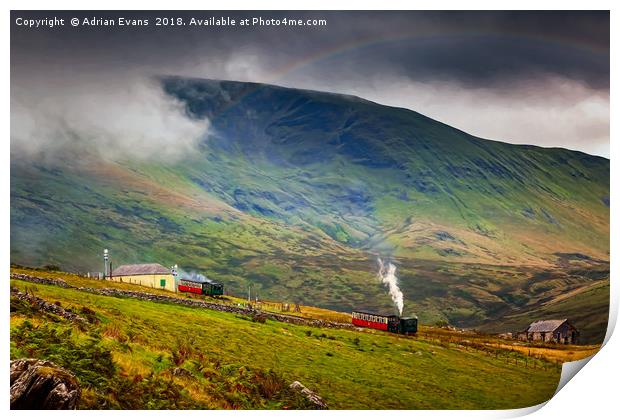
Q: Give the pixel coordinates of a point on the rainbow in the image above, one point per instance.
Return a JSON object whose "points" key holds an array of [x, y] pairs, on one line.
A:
{"points": [[345, 48]]}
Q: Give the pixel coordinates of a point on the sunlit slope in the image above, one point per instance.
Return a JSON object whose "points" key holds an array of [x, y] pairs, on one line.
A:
{"points": [[66, 217], [391, 179]]}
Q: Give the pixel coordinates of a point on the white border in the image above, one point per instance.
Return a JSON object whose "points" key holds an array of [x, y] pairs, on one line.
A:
{"points": [[592, 394]]}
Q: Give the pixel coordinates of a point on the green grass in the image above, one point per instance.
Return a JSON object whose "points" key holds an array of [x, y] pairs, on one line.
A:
{"points": [[349, 369]]}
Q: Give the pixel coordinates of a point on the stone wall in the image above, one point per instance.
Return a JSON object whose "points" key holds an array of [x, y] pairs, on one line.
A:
{"points": [[152, 297]]}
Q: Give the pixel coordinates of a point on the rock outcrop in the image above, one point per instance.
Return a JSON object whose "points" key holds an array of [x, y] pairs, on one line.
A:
{"points": [[41, 385], [44, 306], [315, 399]]}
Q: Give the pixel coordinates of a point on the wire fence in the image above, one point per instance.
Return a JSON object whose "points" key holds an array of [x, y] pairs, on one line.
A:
{"points": [[508, 356]]}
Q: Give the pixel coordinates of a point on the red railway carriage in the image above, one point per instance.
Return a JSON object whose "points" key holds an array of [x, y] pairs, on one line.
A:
{"points": [[201, 287], [190, 286], [368, 320], [391, 323]]}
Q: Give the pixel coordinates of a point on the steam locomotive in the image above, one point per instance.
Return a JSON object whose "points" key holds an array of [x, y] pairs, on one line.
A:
{"points": [[390, 323], [206, 287]]}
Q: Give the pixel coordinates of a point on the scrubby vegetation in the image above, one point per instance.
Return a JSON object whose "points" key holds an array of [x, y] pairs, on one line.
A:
{"points": [[106, 385], [156, 355]]}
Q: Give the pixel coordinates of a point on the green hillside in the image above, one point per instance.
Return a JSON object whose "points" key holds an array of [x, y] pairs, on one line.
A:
{"points": [[589, 308], [140, 354], [297, 192]]}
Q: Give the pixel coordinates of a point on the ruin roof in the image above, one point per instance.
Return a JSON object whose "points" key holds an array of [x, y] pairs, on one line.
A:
{"points": [[138, 269], [546, 325]]}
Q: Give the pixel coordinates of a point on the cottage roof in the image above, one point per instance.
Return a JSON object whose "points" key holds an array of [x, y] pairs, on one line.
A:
{"points": [[138, 269], [545, 326]]}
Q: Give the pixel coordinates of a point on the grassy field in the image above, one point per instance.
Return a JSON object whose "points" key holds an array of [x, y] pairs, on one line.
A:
{"points": [[500, 347], [265, 305], [228, 361]]}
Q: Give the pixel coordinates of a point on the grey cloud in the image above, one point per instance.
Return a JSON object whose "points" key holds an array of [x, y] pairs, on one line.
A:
{"points": [[476, 48], [116, 121], [525, 77]]}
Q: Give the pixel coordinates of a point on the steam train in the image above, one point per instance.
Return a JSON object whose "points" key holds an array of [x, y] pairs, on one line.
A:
{"points": [[390, 323], [206, 287]]}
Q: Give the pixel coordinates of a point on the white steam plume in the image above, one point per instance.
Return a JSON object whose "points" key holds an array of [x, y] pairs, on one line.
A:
{"points": [[387, 275], [192, 276]]}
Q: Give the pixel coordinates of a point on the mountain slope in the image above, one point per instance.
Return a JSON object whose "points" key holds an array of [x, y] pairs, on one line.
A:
{"points": [[296, 192], [372, 176]]}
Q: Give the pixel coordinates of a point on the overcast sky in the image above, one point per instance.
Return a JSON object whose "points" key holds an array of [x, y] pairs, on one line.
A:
{"points": [[537, 78]]}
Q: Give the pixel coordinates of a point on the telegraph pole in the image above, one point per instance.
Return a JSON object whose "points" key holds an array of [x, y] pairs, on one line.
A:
{"points": [[106, 259]]}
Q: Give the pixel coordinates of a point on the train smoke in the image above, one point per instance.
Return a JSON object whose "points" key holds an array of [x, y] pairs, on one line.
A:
{"points": [[387, 274], [192, 276]]}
